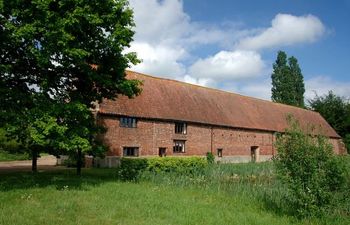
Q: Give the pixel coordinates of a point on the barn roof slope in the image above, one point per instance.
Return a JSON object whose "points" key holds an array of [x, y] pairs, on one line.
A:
{"points": [[174, 100]]}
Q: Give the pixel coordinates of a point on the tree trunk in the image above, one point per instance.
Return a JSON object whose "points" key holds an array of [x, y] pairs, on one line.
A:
{"points": [[79, 163], [34, 161]]}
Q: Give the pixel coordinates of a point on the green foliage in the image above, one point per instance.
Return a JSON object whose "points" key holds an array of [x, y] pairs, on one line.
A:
{"points": [[308, 167], [180, 165], [9, 145], [6, 156], [132, 168], [58, 58], [347, 142], [243, 193], [52, 44], [287, 81], [336, 110], [210, 158]]}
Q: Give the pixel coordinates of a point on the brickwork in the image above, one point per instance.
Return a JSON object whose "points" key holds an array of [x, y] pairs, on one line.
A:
{"points": [[239, 142], [150, 135], [338, 146]]}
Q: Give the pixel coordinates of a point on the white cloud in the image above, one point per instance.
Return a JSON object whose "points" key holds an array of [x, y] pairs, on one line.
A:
{"points": [[255, 89], [166, 38], [321, 85], [228, 66], [161, 60], [285, 30], [198, 81], [160, 21], [165, 22]]}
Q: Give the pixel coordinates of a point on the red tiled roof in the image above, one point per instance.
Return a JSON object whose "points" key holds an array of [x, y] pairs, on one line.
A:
{"points": [[173, 100]]}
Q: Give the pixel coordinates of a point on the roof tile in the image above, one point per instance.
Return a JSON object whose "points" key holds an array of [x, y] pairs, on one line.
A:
{"points": [[173, 100]]}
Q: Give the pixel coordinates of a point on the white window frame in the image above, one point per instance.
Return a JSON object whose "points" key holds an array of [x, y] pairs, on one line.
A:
{"points": [[180, 128], [129, 122], [127, 150], [179, 146]]}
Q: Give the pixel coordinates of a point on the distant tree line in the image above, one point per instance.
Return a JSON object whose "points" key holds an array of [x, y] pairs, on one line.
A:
{"points": [[336, 110]]}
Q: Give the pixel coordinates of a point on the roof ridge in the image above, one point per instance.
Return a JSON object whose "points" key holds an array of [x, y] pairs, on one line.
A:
{"points": [[219, 90]]}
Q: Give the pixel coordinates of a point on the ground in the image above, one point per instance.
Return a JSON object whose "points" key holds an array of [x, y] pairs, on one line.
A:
{"points": [[46, 162], [234, 194]]}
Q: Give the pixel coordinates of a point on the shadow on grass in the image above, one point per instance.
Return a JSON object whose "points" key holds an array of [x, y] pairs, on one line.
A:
{"points": [[58, 179], [278, 204]]}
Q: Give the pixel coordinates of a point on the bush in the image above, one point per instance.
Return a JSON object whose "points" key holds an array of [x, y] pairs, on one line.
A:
{"points": [[210, 158], [131, 168], [309, 169], [188, 165], [347, 142]]}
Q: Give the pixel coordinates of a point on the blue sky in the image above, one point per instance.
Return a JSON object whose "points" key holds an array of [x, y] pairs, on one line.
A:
{"points": [[231, 45]]}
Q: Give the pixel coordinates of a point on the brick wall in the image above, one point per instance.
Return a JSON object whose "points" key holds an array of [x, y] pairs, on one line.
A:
{"points": [[150, 135]]}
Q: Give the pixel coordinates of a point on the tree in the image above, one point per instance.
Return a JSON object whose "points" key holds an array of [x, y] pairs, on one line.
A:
{"points": [[336, 110], [287, 81], [68, 52], [308, 167], [298, 79]]}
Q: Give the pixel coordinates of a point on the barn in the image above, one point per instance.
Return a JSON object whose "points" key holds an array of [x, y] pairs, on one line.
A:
{"points": [[173, 118]]}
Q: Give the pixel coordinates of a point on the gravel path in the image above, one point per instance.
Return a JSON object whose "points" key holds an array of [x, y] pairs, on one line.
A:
{"points": [[44, 163]]}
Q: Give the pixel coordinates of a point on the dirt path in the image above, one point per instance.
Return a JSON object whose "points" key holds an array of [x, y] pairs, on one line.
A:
{"points": [[44, 163]]}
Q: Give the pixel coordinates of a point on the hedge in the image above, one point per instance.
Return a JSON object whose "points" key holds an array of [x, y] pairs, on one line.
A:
{"points": [[132, 168]]}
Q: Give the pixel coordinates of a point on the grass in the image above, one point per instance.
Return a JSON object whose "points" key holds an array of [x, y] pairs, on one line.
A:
{"points": [[224, 194], [5, 156]]}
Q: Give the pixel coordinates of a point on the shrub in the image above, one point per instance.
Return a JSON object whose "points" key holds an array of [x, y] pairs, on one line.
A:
{"points": [[210, 158], [308, 167], [132, 168], [183, 165]]}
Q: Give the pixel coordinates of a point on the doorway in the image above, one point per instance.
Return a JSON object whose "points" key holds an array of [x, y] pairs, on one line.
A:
{"points": [[162, 152], [254, 153]]}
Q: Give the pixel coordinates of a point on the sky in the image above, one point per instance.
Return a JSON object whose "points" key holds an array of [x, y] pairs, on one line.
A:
{"points": [[232, 44]]}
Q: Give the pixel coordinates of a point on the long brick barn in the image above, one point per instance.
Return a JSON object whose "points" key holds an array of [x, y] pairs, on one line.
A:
{"points": [[172, 118]]}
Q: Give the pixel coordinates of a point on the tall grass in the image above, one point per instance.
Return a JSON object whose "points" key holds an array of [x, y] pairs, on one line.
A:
{"points": [[221, 194], [254, 182]]}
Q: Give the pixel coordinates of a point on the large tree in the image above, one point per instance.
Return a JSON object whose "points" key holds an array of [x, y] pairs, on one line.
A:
{"points": [[336, 110], [68, 52], [287, 81]]}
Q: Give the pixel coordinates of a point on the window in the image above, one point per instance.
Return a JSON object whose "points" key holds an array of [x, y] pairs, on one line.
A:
{"points": [[219, 152], [180, 128], [131, 151], [128, 122], [179, 146], [162, 152]]}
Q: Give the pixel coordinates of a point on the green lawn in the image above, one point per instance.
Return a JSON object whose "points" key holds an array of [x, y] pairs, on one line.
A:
{"points": [[229, 194]]}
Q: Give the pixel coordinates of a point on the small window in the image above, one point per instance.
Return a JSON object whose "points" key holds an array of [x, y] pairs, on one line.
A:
{"points": [[219, 152], [179, 146], [162, 152], [131, 151], [180, 128], [128, 122]]}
